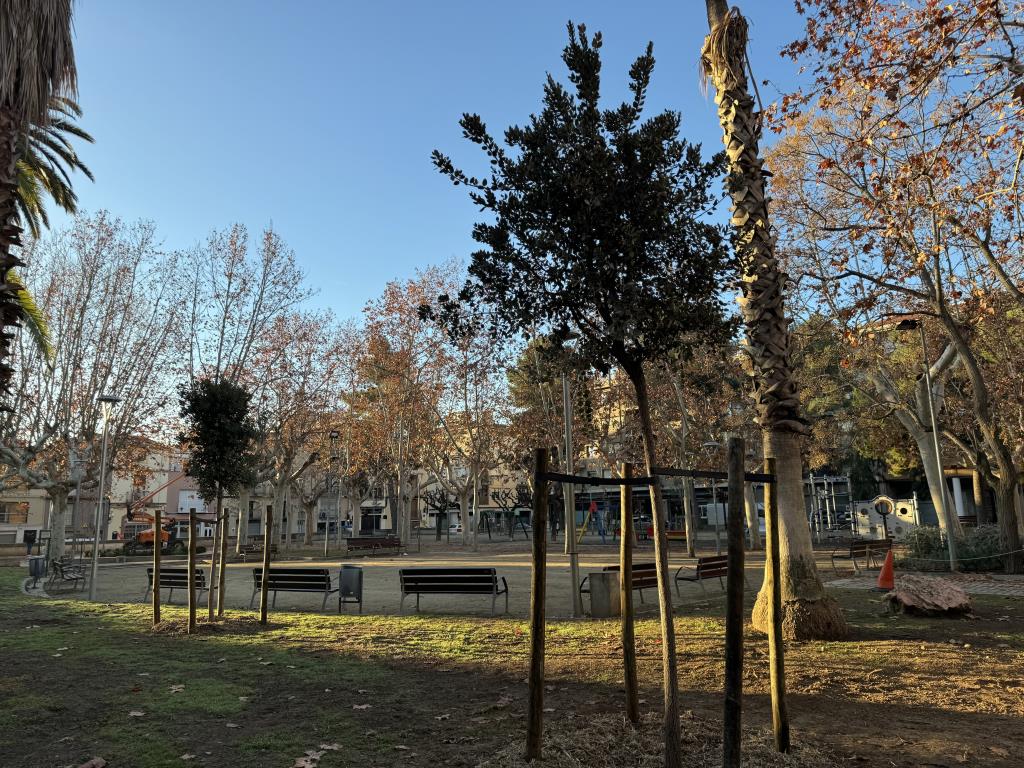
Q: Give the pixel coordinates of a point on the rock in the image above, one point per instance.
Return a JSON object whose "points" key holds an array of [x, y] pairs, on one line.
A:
{"points": [[928, 596]]}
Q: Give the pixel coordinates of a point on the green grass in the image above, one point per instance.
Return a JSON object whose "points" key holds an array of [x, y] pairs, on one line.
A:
{"points": [[293, 685]]}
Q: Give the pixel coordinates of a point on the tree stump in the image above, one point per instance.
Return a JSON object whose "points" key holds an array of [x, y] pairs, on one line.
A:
{"points": [[928, 596]]}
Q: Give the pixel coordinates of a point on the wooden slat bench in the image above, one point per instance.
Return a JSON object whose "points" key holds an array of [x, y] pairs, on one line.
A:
{"points": [[711, 567], [255, 552], [316, 580], [451, 581], [679, 536], [861, 549], [372, 544], [66, 570], [175, 578], [644, 576]]}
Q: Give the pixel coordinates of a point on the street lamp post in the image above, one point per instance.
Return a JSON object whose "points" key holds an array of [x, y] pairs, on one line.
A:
{"points": [[333, 435], [569, 498], [712, 446], [107, 403], [908, 324]]}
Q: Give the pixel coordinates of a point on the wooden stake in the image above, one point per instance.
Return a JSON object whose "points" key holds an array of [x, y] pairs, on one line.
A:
{"points": [[535, 681], [732, 733], [776, 652], [224, 561], [626, 597], [211, 594], [268, 539], [158, 543], [191, 571]]}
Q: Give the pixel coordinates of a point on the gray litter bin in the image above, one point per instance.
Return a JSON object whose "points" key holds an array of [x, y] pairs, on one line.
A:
{"points": [[604, 594], [36, 568], [350, 586]]}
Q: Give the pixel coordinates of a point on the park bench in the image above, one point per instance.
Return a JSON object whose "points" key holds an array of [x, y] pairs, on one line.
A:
{"points": [[643, 576], [679, 536], [175, 578], [451, 581], [711, 567], [861, 549], [65, 569], [255, 551], [372, 544], [294, 580]]}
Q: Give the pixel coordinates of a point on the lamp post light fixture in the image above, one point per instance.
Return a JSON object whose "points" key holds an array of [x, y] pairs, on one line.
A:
{"points": [[333, 435], [909, 324], [107, 403]]}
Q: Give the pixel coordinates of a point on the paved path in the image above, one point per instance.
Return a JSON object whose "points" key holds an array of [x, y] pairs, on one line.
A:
{"points": [[127, 582], [1006, 586]]}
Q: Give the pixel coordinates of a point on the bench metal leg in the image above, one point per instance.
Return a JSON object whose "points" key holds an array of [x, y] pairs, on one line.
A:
{"points": [[702, 587], [506, 599], [145, 596], [252, 599], [494, 598], [323, 605], [273, 603], [401, 604]]}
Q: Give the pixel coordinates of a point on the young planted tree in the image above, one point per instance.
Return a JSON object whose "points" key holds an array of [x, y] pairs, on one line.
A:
{"points": [[37, 62], [808, 611], [599, 232], [219, 433]]}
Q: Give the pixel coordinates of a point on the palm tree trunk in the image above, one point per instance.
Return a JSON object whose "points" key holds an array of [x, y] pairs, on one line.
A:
{"points": [[668, 634], [808, 612], [10, 238]]}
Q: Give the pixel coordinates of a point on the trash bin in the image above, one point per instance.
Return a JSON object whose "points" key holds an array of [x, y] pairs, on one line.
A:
{"points": [[36, 568], [350, 586], [604, 594]]}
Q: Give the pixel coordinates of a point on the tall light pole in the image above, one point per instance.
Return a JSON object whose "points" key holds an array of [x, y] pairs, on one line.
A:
{"points": [[332, 469], [712, 447], [569, 497], [107, 403], [909, 324]]}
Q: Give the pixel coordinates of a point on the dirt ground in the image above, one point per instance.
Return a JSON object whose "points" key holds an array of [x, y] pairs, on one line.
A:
{"points": [[81, 680]]}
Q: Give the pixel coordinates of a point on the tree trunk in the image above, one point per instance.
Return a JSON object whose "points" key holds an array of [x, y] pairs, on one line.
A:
{"points": [[670, 723], [58, 521], [309, 509], [1006, 516], [753, 519], [243, 520], [268, 542], [950, 522], [981, 506], [809, 612], [10, 238]]}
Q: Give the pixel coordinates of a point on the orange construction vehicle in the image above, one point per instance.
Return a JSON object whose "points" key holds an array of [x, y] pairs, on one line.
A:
{"points": [[142, 543]]}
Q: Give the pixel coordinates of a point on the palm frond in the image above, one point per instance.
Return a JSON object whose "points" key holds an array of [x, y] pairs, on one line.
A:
{"points": [[47, 160], [33, 318]]}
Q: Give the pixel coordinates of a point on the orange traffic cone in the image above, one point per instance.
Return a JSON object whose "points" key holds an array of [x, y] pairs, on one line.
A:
{"points": [[886, 581]]}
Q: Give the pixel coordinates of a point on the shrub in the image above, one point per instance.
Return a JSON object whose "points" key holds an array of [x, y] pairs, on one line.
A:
{"points": [[978, 549]]}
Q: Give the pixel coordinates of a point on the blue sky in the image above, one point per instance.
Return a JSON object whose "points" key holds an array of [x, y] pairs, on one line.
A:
{"points": [[320, 116]]}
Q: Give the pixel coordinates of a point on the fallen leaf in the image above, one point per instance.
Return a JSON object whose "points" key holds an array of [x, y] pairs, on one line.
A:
{"points": [[243, 698], [331, 747], [177, 688], [401, 746], [266, 663], [445, 716], [188, 756], [136, 713], [362, 706], [231, 725], [65, 648], [57, 655], [221, 661], [548, 709]]}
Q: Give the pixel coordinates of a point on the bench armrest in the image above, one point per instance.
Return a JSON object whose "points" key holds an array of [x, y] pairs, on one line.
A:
{"points": [[680, 577]]}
